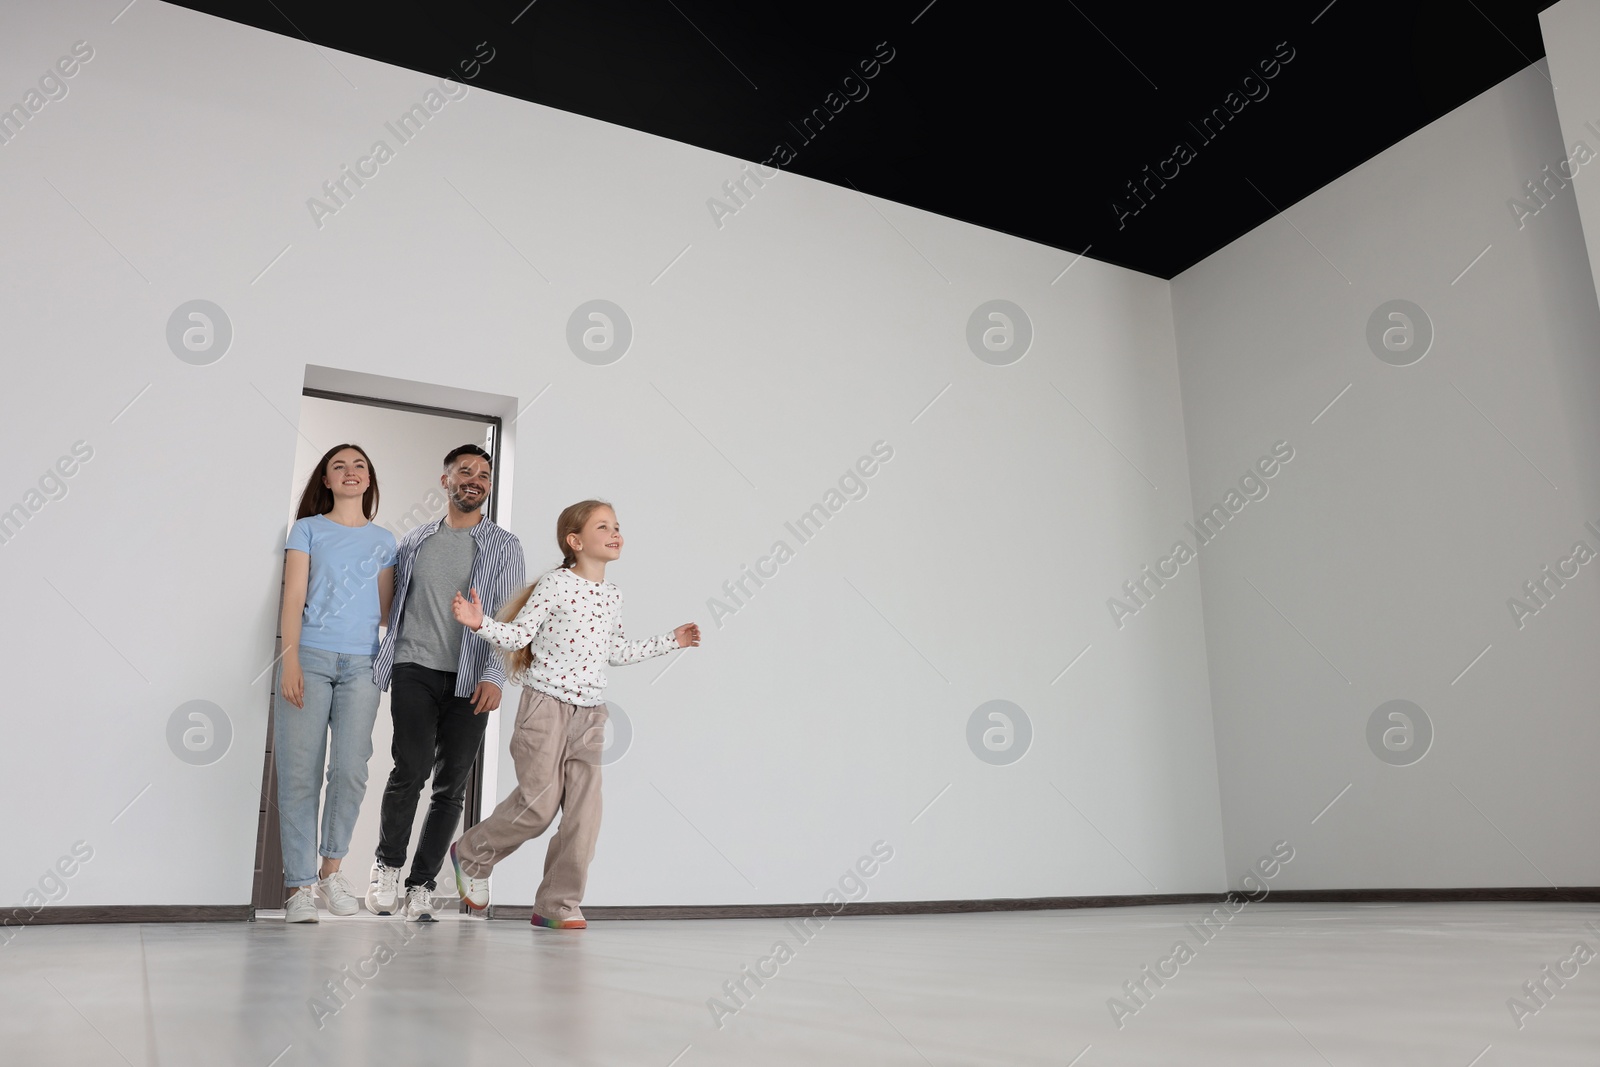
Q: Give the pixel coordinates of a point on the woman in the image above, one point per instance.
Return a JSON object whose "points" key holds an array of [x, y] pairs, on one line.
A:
{"points": [[338, 578]]}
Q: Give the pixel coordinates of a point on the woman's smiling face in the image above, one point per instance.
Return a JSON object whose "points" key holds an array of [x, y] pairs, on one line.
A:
{"points": [[347, 473]]}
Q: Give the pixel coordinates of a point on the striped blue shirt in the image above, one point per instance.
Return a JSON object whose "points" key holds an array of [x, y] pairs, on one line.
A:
{"points": [[497, 573]]}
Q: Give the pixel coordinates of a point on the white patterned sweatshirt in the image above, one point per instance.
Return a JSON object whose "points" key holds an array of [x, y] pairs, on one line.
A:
{"points": [[575, 628]]}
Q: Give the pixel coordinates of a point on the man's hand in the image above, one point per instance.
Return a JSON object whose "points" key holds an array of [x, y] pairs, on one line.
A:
{"points": [[688, 635], [485, 698]]}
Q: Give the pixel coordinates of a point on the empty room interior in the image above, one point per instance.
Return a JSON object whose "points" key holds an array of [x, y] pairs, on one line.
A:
{"points": [[673, 534]]}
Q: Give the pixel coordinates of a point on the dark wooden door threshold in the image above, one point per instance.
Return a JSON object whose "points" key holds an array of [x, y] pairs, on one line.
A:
{"points": [[198, 913], [1567, 895], [127, 913]]}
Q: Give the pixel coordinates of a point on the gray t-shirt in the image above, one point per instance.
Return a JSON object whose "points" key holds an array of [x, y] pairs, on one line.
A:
{"points": [[429, 634]]}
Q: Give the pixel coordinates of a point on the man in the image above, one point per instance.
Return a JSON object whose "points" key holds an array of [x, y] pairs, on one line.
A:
{"points": [[445, 681]]}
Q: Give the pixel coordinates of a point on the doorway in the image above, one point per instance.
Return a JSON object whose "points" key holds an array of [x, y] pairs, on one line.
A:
{"points": [[407, 443]]}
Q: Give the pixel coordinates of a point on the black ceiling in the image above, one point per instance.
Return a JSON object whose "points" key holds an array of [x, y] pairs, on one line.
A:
{"points": [[1025, 118]]}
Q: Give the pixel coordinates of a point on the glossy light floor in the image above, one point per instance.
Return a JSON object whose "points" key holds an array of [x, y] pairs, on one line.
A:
{"points": [[1280, 984]]}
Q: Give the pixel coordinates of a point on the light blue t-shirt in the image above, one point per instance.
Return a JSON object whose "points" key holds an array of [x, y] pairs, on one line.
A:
{"points": [[342, 591]]}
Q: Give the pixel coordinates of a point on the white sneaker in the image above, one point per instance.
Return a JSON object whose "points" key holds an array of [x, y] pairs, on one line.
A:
{"points": [[301, 907], [384, 891], [419, 905], [336, 891]]}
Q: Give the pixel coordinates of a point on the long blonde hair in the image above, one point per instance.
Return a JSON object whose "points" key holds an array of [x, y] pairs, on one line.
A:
{"points": [[570, 521]]}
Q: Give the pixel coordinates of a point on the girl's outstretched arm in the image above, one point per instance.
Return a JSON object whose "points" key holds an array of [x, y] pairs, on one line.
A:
{"points": [[623, 651], [519, 632]]}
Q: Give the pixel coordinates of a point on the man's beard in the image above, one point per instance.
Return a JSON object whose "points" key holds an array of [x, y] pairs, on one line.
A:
{"points": [[461, 503]]}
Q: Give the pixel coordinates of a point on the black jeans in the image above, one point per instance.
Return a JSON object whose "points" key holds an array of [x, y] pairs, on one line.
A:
{"points": [[435, 732]]}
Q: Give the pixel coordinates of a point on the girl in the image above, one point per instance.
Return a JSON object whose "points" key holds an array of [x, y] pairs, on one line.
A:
{"points": [[561, 632], [338, 579]]}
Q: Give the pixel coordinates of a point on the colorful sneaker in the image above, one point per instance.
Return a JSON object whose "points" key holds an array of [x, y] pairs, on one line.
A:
{"points": [[301, 907], [474, 891], [575, 921], [336, 891], [383, 894], [419, 906]]}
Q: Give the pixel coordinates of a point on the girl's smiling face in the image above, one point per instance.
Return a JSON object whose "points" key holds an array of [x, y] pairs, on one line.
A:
{"points": [[347, 473], [602, 535]]}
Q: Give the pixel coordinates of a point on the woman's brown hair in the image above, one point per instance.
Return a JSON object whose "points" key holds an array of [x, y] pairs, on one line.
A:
{"points": [[570, 521], [318, 498]]}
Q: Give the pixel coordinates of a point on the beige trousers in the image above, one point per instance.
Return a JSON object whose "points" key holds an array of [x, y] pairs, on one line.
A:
{"points": [[556, 748]]}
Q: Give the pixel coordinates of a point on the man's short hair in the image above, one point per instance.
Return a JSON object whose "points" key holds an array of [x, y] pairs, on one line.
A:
{"points": [[467, 450]]}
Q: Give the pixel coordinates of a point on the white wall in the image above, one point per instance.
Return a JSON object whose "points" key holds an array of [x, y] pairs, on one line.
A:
{"points": [[768, 355], [1415, 508]]}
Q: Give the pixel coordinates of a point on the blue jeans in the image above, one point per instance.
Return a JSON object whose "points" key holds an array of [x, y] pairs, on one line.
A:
{"points": [[339, 695]]}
